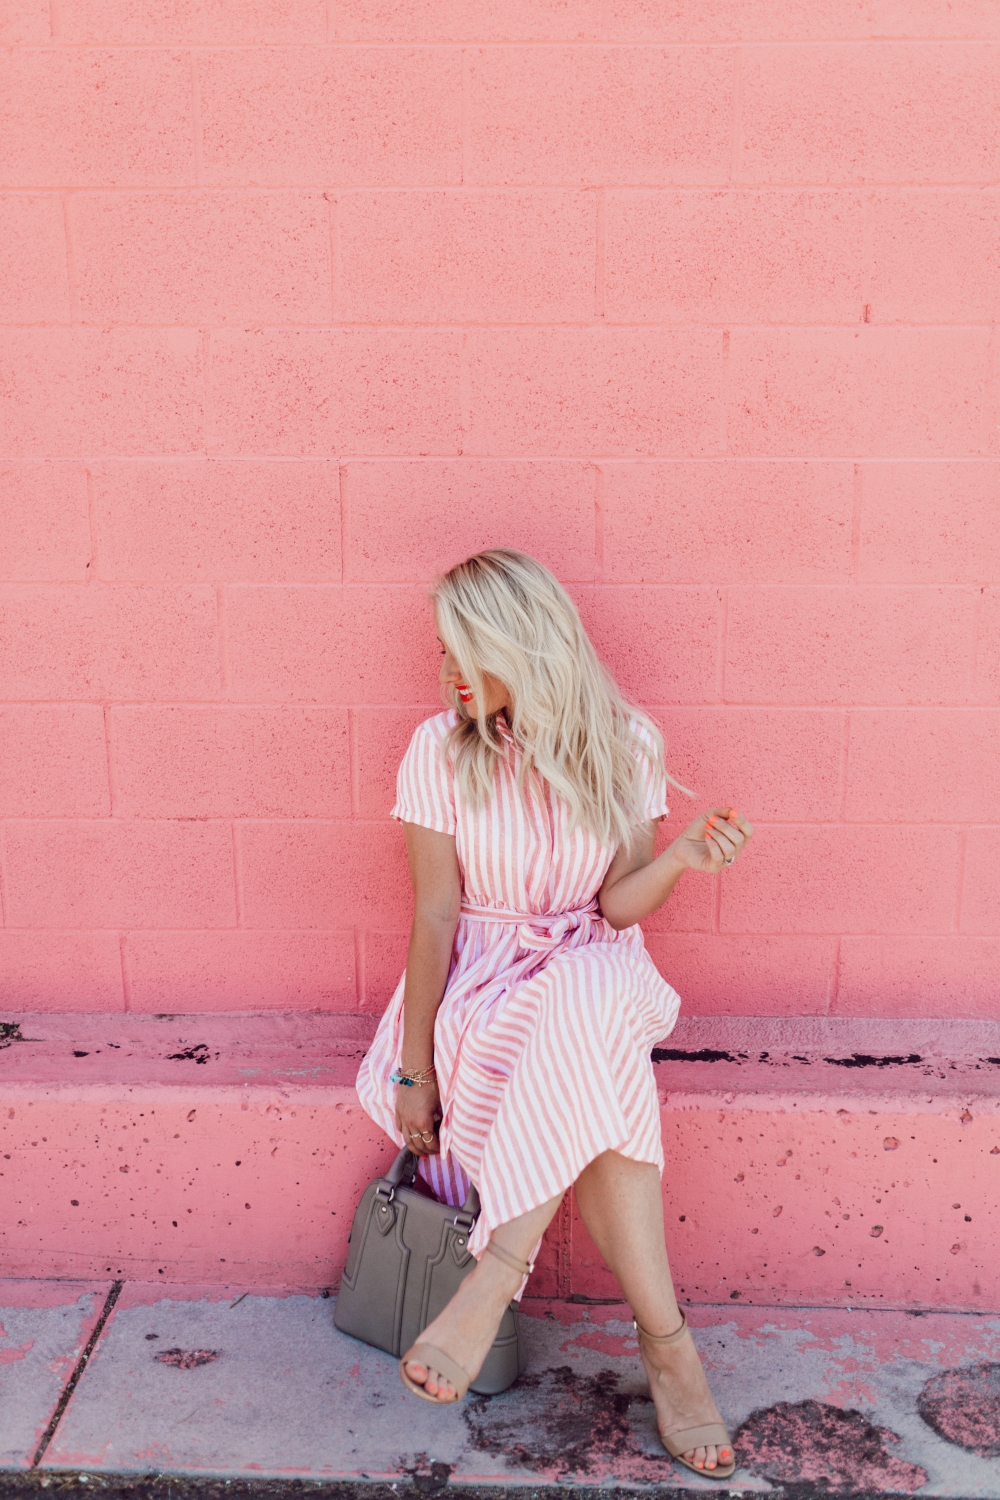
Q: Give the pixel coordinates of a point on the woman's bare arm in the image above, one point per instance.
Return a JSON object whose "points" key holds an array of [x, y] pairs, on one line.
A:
{"points": [[637, 883], [437, 890]]}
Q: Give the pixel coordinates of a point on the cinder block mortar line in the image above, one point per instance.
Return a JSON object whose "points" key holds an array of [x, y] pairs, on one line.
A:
{"points": [[722, 647], [962, 850], [977, 621], [991, 407], [867, 267], [465, 140], [857, 501], [221, 619], [342, 518], [507, 44], [360, 969], [208, 442], [126, 976], [569, 457], [982, 185], [92, 569], [113, 800], [845, 751], [238, 874], [181, 931], [3, 879], [352, 744], [335, 278], [74, 300], [726, 393], [583, 458], [833, 983], [55, 19], [464, 394], [196, 123], [736, 128], [598, 524], [352, 326], [980, 188], [600, 251]]}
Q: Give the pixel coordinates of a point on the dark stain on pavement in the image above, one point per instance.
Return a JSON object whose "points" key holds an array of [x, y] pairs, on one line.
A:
{"points": [[198, 1053], [186, 1359], [963, 1407], [703, 1054], [428, 1478], [866, 1060], [813, 1442], [572, 1425]]}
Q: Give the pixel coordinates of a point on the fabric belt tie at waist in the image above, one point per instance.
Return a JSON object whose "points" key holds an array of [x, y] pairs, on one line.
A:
{"points": [[536, 929]]}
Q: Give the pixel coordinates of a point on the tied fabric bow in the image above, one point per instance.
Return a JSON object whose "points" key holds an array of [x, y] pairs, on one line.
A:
{"points": [[536, 931]]}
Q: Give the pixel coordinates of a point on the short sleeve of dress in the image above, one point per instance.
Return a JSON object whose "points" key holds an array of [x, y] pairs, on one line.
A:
{"points": [[653, 776], [425, 792]]}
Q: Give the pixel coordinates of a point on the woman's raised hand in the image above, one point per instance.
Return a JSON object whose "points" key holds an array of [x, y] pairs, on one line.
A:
{"points": [[713, 840], [418, 1110]]}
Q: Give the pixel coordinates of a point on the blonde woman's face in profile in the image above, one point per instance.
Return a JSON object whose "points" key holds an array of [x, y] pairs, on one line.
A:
{"points": [[495, 693]]}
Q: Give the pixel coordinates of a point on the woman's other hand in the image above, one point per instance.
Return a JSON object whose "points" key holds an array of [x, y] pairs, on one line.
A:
{"points": [[713, 840], [418, 1110]]}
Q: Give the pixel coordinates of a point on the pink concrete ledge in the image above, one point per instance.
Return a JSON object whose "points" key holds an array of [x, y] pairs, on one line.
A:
{"points": [[828, 1162]]}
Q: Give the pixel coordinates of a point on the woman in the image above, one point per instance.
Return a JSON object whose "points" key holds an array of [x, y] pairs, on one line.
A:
{"points": [[515, 1052]]}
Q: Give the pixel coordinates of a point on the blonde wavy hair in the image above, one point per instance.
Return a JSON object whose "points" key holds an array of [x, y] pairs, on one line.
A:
{"points": [[503, 614]]}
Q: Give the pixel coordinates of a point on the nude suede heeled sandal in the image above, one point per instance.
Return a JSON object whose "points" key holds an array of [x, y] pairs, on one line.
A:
{"points": [[436, 1359], [713, 1433]]}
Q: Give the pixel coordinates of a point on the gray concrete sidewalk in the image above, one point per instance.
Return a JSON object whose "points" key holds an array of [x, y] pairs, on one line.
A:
{"points": [[189, 1381]]}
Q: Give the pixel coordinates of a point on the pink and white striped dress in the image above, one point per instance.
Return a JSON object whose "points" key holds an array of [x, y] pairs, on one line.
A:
{"points": [[543, 1037]]}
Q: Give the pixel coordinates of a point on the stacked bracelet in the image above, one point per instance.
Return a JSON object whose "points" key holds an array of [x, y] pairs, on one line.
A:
{"points": [[411, 1080]]}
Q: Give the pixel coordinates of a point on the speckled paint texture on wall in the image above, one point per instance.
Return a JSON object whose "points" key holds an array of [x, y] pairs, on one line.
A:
{"points": [[305, 301]]}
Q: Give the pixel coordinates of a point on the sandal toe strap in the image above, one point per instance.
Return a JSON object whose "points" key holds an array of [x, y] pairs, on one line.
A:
{"points": [[436, 1359], [678, 1443]]}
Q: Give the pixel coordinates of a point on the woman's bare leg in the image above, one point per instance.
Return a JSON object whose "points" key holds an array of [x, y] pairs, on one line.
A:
{"points": [[622, 1207], [466, 1328]]}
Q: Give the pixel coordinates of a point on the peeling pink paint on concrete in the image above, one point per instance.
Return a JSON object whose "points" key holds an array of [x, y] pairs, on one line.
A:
{"points": [[605, 1343], [10, 1356], [25, 1292]]}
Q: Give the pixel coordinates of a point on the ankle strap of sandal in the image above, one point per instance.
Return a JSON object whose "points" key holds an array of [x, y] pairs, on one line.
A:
{"points": [[525, 1267], [663, 1338]]}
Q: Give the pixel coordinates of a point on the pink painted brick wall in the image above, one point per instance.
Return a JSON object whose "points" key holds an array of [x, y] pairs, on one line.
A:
{"points": [[303, 301]]}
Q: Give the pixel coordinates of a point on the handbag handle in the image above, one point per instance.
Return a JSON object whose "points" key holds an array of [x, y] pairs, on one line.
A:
{"points": [[404, 1169]]}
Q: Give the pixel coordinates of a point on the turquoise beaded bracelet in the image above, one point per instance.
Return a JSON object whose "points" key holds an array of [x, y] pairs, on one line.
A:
{"points": [[411, 1080]]}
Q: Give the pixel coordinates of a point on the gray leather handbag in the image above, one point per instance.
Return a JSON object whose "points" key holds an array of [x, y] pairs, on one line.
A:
{"points": [[408, 1255]]}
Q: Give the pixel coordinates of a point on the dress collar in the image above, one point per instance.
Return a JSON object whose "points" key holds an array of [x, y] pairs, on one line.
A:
{"points": [[503, 728]]}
